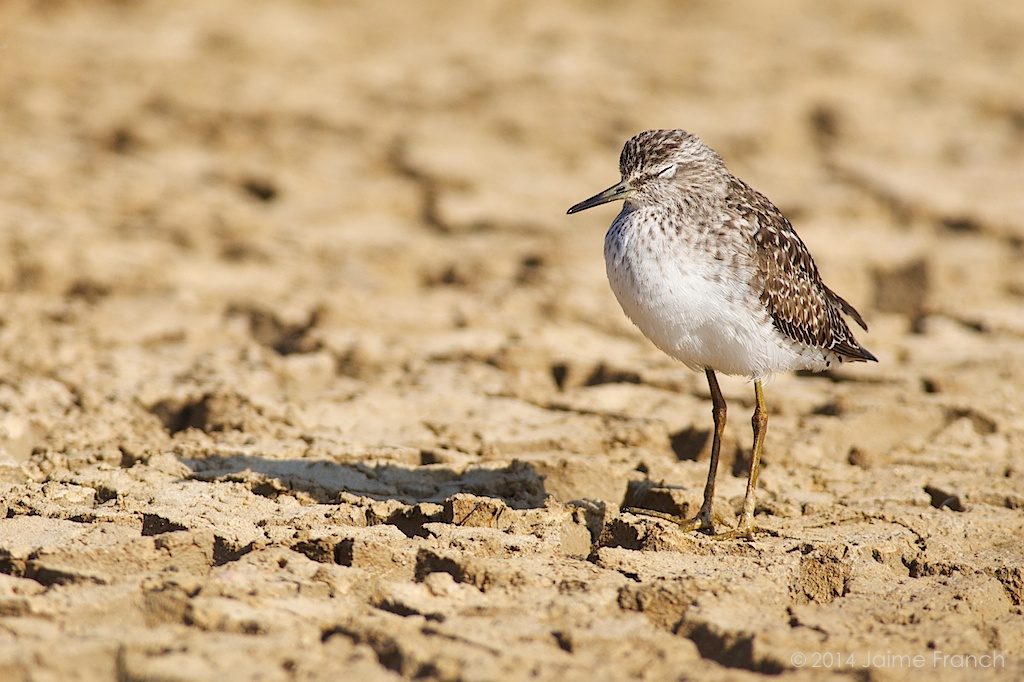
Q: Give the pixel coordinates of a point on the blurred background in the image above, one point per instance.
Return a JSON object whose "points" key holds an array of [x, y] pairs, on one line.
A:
{"points": [[348, 193]]}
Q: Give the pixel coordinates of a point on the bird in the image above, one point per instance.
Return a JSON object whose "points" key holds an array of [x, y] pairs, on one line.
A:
{"points": [[713, 273]]}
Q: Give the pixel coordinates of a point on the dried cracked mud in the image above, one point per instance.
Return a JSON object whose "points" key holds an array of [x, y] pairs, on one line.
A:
{"points": [[305, 375]]}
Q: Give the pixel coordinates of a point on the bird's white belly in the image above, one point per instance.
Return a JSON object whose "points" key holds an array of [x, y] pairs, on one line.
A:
{"points": [[694, 308]]}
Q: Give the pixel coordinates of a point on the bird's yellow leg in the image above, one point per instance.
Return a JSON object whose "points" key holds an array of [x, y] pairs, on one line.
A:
{"points": [[704, 520], [759, 421]]}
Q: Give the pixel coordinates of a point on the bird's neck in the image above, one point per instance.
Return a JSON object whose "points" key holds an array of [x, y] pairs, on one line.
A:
{"points": [[701, 201]]}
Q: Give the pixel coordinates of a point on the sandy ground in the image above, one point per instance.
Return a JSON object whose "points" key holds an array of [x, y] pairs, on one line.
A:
{"points": [[305, 375]]}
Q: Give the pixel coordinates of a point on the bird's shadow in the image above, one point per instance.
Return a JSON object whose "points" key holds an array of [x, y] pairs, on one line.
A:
{"points": [[517, 484]]}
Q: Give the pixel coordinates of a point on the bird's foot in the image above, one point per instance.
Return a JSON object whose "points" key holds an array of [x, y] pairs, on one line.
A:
{"points": [[702, 521], [744, 530]]}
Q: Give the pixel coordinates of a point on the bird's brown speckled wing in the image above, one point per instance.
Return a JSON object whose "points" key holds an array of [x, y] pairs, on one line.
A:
{"points": [[800, 304]]}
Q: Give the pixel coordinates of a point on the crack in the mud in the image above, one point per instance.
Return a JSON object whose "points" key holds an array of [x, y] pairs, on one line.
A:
{"points": [[429, 188], [731, 650]]}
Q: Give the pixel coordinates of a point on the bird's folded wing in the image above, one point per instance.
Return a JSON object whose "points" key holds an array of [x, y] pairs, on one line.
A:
{"points": [[800, 304]]}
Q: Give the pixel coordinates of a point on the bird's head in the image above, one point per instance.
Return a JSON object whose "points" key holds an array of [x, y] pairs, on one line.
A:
{"points": [[664, 166]]}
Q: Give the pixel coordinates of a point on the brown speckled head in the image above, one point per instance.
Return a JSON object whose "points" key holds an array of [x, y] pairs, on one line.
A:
{"points": [[669, 167], [654, 150], [672, 167]]}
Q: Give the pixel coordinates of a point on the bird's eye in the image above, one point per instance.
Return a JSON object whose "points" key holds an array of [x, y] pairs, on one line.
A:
{"points": [[668, 172]]}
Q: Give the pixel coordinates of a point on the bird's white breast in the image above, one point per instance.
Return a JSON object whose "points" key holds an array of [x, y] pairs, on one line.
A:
{"points": [[695, 307]]}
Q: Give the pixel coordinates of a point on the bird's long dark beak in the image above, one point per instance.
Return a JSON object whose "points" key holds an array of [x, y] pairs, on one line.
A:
{"points": [[616, 191]]}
